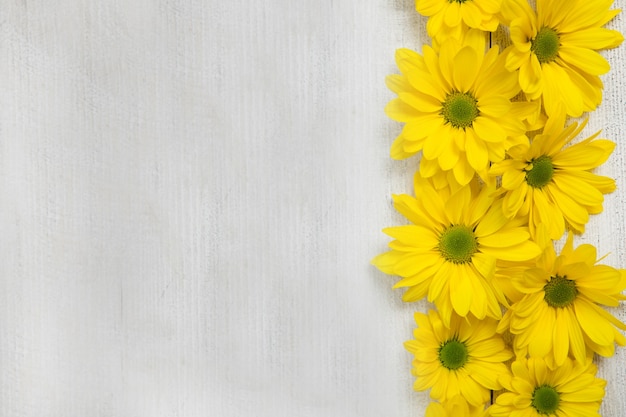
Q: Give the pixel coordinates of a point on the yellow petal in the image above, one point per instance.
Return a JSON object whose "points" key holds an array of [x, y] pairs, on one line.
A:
{"points": [[460, 291], [435, 409], [530, 76], [431, 60], [505, 237], [408, 207], [422, 103], [425, 83], [576, 340], [584, 59], [457, 204], [474, 393], [494, 106], [589, 87], [581, 192], [598, 330], [397, 83], [412, 263], [560, 338], [513, 200], [482, 297], [397, 148], [545, 212], [585, 14], [447, 160], [515, 57], [540, 336], [408, 60], [437, 143], [602, 278], [493, 221], [489, 6], [465, 69], [584, 156], [540, 369], [416, 236], [476, 151], [440, 281], [485, 264], [463, 172], [422, 126], [559, 90], [471, 14], [604, 184], [522, 252], [399, 111], [386, 261], [593, 38], [428, 167], [574, 213], [453, 14], [428, 7], [488, 130]]}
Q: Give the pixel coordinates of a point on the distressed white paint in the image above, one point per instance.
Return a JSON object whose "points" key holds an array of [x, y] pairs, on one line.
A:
{"points": [[190, 194]]}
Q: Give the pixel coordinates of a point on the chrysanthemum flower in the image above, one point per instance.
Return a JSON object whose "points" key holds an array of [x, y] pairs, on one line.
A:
{"points": [[560, 314], [455, 407], [456, 106], [551, 184], [450, 250], [535, 390], [556, 48], [450, 18], [465, 358]]}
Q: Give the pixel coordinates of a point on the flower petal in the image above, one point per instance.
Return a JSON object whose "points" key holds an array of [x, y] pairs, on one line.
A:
{"points": [[465, 69], [598, 330], [585, 59]]}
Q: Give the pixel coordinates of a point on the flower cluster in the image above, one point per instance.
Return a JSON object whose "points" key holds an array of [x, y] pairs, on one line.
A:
{"points": [[503, 174]]}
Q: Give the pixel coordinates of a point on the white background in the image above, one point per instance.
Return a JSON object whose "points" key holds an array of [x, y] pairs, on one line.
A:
{"points": [[190, 195]]}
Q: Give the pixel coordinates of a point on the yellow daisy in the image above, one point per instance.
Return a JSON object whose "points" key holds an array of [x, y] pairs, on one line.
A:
{"points": [[550, 183], [560, 314], [449, 252], [451, 17], [465, 358], [455, 407], [535, 390], [456, 106], [556, 48]]}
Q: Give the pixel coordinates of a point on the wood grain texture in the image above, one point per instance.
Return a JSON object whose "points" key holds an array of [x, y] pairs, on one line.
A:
{"points": [[190, 195]]}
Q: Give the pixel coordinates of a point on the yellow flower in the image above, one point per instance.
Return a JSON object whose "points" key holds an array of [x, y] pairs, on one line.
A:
{"points": [[559, 314], [452, 17], [549, 183], [571, 390], [556, 48], [450, 250], [465, 358], [456, 106], [455, 407]]}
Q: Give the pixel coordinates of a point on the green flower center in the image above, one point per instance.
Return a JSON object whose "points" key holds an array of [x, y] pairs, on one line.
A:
{"points": [[453, 354], [457, 1], [460, 109], [545, 399], [560, 292], [457, 244], [541, 172], [546, 45]]}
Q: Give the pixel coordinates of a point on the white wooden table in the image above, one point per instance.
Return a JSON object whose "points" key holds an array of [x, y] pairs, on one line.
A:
{"points": [[190, 195]]}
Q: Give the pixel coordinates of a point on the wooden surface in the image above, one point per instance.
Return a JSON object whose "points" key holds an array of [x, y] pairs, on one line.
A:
{"points": [[190, 195]]}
